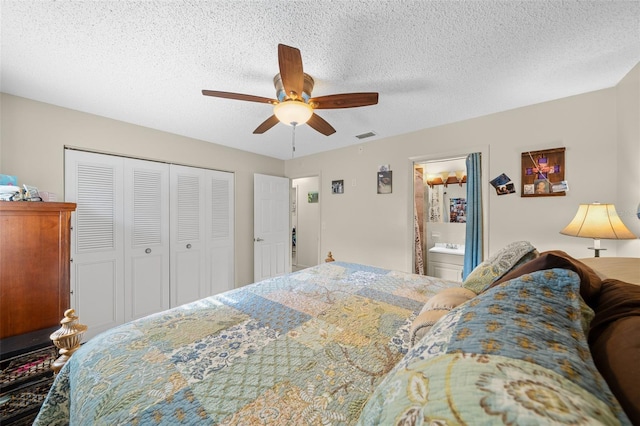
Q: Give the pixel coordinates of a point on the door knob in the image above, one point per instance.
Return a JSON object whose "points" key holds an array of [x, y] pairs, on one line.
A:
{"points": [[148, 251], [258, 239], [189, 245]]}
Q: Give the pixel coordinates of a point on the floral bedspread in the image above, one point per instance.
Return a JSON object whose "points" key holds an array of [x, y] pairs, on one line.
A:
{"points": [[305, 348]]}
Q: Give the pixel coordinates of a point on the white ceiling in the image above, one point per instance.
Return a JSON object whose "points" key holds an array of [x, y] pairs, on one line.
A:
{"points": [[433, 62]]}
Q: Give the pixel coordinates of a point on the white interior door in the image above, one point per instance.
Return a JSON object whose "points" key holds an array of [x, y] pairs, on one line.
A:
{"points": [[271, 233]]}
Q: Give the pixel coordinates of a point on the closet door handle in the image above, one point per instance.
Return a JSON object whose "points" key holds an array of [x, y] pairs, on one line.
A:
{"points": [[148, 251], [189, 245]]}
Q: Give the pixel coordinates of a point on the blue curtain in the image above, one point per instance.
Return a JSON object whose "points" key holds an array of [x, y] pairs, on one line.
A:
{"points": [[473, 237]]}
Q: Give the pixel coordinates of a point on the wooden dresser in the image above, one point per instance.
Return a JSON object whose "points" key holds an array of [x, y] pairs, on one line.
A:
{"points": [[34, 293], [35, 242]]}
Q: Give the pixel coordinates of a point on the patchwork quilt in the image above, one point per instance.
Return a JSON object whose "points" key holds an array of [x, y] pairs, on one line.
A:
{"points": [[514, 355], [304, 348]]}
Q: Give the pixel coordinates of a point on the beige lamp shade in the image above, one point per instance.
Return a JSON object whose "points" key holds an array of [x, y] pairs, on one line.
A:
{"points": [[598, 221]]}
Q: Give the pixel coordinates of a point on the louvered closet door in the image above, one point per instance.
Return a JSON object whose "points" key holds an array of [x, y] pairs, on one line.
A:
{"points": [[188, 241], [95, 183], [146, 248], [220, 231]]}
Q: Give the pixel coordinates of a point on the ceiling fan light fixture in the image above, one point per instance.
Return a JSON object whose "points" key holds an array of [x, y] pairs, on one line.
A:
{"points": [[293, 113]]}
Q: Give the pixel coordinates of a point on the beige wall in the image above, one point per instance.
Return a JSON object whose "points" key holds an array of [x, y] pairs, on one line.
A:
{"points": [[33, 136], [587, 125], [600, 130], [628, 171]]}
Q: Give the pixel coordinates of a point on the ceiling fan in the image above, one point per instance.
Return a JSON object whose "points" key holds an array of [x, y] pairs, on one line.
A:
{"points": [[294, 104]]}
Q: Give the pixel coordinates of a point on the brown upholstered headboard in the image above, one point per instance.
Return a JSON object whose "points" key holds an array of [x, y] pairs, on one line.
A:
{"points": [[625, 269]]}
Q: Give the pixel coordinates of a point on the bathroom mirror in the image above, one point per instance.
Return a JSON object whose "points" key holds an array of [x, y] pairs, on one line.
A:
{"points": [[446, 204]]}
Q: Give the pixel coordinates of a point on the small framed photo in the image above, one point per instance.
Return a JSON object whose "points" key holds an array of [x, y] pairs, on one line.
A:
{"points": [[312, 197], [503, 185], [541, 186], [337, 186], [385, 181]]}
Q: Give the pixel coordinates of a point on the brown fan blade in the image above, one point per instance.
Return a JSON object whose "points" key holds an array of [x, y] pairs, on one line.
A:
{"points": [[344, 100], [291, 72], [321, 125], [239, 96], [266, 125]]}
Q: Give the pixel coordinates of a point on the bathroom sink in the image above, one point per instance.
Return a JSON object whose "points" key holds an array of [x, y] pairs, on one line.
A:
{"points": [[447, 248]]}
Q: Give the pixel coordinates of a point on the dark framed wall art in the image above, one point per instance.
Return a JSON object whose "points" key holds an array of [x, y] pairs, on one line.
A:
{"points": [[543, 173]]}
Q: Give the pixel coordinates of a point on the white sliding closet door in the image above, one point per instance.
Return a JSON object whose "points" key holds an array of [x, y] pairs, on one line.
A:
{"points": [[202, 233], [96, 183], [189, 276], [146, 248], [146, 236]]}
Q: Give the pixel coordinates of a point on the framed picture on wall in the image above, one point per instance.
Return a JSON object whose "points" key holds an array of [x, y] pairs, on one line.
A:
{"points": [[312, 197], [385, 181], [337, 186], [543, 173]]}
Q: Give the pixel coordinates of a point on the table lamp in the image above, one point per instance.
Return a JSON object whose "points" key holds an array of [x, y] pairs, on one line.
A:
{"points": [[598, 221]]}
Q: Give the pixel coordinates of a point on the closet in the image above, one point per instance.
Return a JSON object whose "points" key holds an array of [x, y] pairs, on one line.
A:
{"points": [[146, 236]]}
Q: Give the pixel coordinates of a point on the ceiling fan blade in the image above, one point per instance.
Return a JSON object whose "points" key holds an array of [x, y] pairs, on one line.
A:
{"points": [[239, 96], [290, 62], [344, 100], [319, 124], [266, 125]]}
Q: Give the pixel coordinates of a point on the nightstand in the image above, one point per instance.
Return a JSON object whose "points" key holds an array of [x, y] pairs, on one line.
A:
{"points": [[25, 375]]}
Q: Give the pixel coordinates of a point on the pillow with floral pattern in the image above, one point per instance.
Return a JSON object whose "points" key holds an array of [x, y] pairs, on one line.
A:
{"points": [[510, 257]]}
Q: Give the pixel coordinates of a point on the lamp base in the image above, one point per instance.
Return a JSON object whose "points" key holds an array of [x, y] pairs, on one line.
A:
{"points": [[597, 250]]}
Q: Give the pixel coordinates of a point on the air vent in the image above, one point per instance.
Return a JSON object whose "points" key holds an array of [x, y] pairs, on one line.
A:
{"points": [[366, 135]]}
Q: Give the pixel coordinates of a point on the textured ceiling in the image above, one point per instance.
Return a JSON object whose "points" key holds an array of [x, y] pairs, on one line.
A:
{"points": [[433, 62]]}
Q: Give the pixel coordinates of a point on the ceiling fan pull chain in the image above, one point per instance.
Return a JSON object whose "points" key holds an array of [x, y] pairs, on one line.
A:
{"points": [[293, 141]]}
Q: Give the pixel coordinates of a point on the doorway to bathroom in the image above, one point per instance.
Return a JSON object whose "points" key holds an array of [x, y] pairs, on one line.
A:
{"points": [[440, 217]]}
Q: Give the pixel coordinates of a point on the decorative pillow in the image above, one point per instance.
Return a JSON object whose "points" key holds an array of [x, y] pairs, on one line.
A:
{"points": [[438, 306], [449, 298], [590, 282], [615, 342], [423, 323], [515, 354], [510, 257]]}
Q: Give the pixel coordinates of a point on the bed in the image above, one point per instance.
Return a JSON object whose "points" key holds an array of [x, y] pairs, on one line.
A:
{"points": [[343, 343]]}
